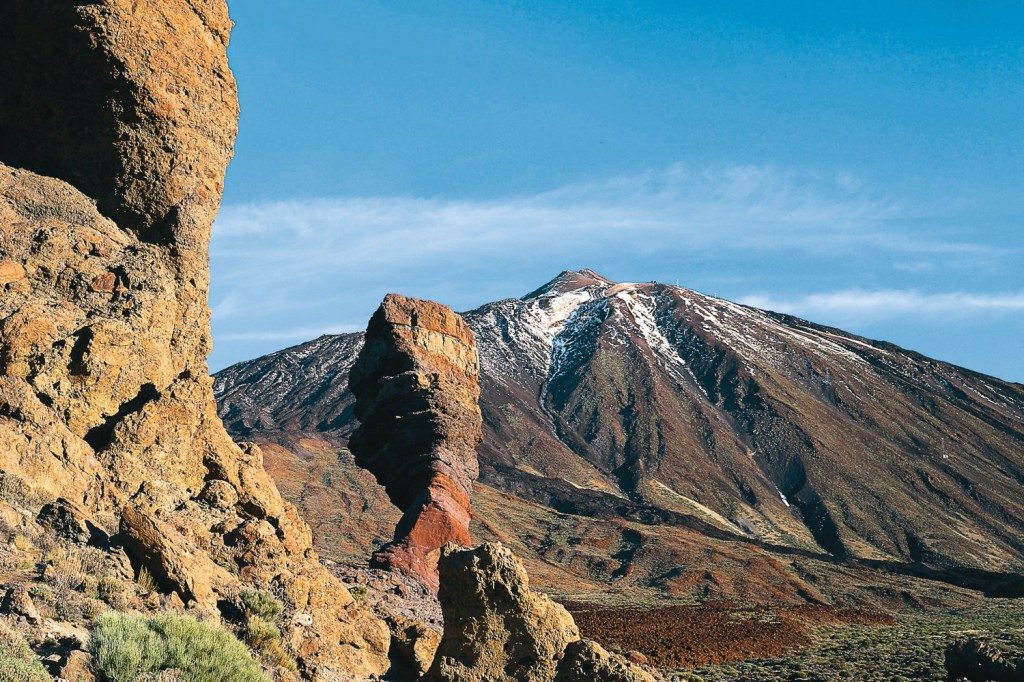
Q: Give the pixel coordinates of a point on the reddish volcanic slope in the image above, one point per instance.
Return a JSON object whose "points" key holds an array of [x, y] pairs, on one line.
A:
{"points": [[660, 407]]}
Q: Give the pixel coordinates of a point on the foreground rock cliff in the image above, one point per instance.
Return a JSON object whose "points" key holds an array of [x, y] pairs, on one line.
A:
{"points": [[416, 383], [118, 122]]}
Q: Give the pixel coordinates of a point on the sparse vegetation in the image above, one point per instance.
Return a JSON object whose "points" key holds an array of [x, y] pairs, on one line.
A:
{"points": [[128, 647], [15, 491], [265, 638], [41, 592], [114, 592], [259, 631], [17, 662], [145, 581], [913, 649], [260, 603], [75, 607], [64, 570], [357, 591]]}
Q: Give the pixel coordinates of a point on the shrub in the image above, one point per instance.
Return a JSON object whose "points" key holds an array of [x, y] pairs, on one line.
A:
{"points": [[259, 633], [260, 603], [17, 662], [22, 543], [64, 570], [358, 592], [127, 647], [265, 638], [113, 592], [43, 593], [146, 581], [16, 491], [75, 608]]}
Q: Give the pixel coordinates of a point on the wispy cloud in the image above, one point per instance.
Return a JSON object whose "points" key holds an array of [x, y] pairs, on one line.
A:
{"points": [[285, 268], [733, 208], [866, 306]]}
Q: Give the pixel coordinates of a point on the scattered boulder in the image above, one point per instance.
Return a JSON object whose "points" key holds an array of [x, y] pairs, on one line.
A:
{"points": [[76, 667], [18, 602], [170, 557], [219, 494], [416, 384], [67, 520], [10, 272]]}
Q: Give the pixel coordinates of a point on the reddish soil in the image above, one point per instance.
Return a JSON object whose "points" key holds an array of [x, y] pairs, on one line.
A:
{"points": [[694, 636]]}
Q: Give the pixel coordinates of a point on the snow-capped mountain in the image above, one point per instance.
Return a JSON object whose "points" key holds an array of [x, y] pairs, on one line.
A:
{"points": [[660, 405]]}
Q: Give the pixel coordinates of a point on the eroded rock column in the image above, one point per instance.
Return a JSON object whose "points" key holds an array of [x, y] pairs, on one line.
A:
{"points": [[416, 384]]}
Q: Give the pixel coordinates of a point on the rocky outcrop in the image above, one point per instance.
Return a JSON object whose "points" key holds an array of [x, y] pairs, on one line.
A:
{"points": [[585, 660], [416, 388], [976, 661], [118, 122], [496, 629]]}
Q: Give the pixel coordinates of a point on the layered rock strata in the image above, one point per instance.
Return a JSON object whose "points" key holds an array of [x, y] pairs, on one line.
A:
{"points": [[118, 122], [496, 629], [416, 384]]}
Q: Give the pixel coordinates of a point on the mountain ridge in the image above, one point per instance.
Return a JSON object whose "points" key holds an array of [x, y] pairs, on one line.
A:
{"points": [[656, 403]]}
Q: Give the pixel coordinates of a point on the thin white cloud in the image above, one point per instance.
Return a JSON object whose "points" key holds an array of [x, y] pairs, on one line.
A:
{"points": [[289, 270], [866, 306], [735, 208]]}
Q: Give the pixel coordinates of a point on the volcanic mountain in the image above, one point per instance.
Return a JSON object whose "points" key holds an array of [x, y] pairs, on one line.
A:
{"points": [[637, 432]]}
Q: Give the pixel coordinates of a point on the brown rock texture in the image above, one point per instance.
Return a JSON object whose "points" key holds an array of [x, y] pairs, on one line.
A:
{"points": [[586, 660], [118, 122], [496, 629], [414, 645], [416, 384]]}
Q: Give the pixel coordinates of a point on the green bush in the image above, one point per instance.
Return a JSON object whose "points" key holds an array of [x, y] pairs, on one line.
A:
{"points": [[260, 603], [259, 633], [265, 638], [126, 647], [17, 662]]}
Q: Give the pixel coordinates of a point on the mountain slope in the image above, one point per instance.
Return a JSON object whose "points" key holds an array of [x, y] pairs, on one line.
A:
{"points": [[659, 405]]}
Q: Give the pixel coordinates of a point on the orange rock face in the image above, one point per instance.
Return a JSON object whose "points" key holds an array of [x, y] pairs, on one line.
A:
{"points": [[416, 384], [118, 123]]}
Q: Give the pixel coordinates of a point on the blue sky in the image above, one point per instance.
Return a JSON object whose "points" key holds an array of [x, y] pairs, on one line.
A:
{"points": [[858, 164]]}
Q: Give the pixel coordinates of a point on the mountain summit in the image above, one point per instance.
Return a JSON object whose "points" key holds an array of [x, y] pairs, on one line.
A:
{"points": [[661, 405]]}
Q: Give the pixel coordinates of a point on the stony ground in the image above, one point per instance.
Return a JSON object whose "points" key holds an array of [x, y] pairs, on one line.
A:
{"points": [[718, 644]]}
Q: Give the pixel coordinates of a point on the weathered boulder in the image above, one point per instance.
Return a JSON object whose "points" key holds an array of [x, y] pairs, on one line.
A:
{"points": [[416, 383], [413, 646], [18, 602], [496, 629], [76, 667], [118, 122], [586, 661], [68, 520]]}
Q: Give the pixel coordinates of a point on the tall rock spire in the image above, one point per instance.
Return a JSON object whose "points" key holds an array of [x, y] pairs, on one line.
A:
{"points": [[416, 384]]}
